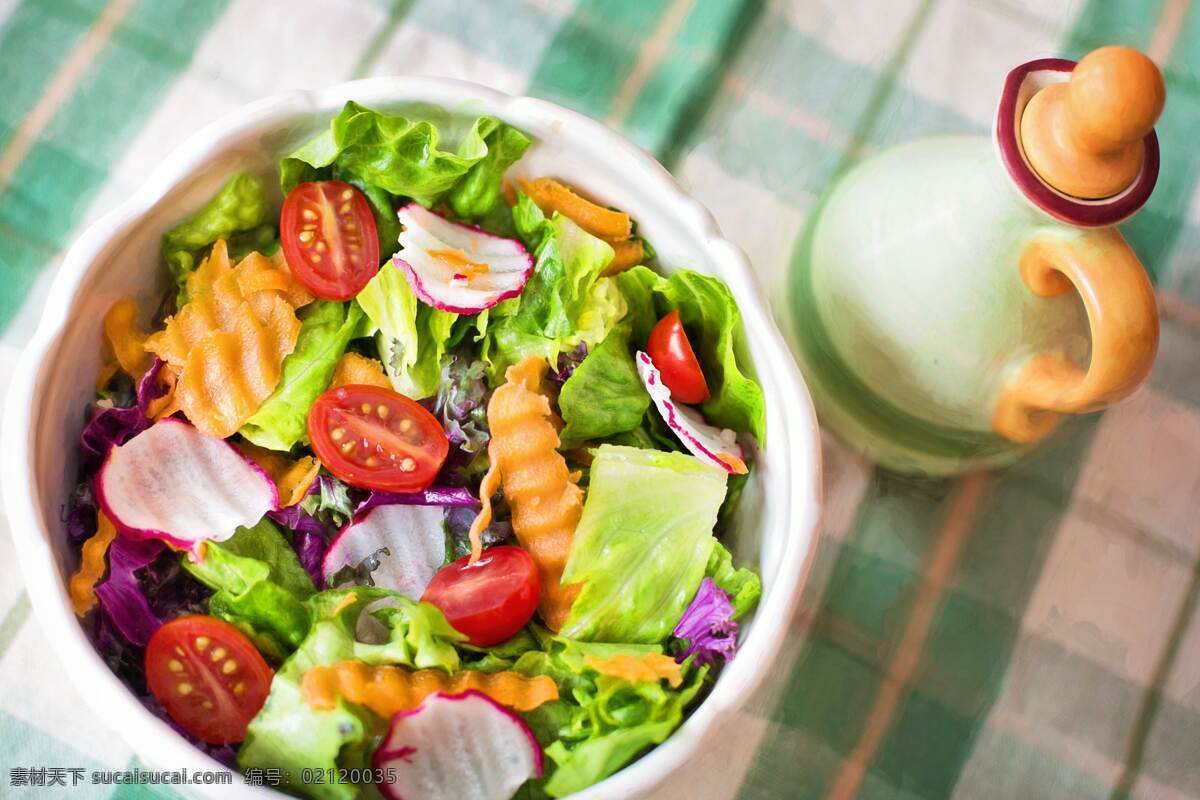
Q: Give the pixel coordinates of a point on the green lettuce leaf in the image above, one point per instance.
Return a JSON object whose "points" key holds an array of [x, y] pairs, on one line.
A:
{"points": [[658, 711], [238, 213], [711, 315], [326, 330], [599, 723], [288, 735], [412, 337], [566, 300], [477, 193], [259, 586], [642, 544], [501, 657], [530, 222], [400, 156], [569, 261], [387, 226], [741, 584], [604, 396]]}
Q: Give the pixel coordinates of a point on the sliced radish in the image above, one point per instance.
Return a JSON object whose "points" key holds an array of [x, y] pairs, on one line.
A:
{"points": [[174, 483], [717, 446], [414, 537], [459, 268], [457, 747]]}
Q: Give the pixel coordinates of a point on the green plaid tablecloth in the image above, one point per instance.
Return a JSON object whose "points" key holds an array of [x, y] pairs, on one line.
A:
{"points": [[1026, 634]]}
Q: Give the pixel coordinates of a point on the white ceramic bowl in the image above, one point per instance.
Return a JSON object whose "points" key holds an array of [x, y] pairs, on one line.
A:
{"points": [[118, 257]]}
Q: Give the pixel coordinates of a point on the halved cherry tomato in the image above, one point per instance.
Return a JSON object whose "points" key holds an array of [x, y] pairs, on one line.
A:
{"points": [[489, 600], [672, 353], [208, 676], [328, 237], [375, 438]]}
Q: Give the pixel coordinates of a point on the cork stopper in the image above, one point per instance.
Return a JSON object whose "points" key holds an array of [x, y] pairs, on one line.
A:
{"points": [[1085, 136]]}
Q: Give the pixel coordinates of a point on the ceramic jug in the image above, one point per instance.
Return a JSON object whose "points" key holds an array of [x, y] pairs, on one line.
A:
{"points": [[953, 297]]}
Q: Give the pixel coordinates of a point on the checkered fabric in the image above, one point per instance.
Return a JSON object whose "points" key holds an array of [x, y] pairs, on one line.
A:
{"points": [[1024, 634]]}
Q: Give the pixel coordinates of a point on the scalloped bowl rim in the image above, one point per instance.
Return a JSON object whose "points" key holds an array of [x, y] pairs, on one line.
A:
{"points": [[790, 415]]}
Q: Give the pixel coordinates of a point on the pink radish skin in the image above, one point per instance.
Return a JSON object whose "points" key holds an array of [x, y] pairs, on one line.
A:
{"points": [[414, 536], [461, 730], [442, 286], [174, 483], [716, 446]]}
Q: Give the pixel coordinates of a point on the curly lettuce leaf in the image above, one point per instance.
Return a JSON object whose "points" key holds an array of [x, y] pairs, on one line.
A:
{"points": [[709, 312], [288, 735], [260, 586], [461, 404], [569, 261], [530, 221], [329, 500], [412, 336], [387, 225], [604, 395], [660, 711], [642, 544], [401, 156], [741, 584], [239, 213], [326, 330], [599, 723], [478, 192], [565, 302]]}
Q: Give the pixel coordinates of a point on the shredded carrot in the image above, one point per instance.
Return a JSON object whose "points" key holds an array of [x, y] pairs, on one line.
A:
{"points": [[292, 478], [91, 566], [550, 196], [625, 255], [487, 487], [355, 368], [457, 260], [733, 462], [230, 339], [128, 344], [546, 505], [636, 669], [389, 689]]}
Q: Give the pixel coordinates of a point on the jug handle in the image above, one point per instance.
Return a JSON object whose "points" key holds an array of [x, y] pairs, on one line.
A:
{"points": [[1123, 318]]}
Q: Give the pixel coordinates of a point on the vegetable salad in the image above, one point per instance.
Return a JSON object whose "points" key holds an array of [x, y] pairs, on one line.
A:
{"points": [[415, 489]]}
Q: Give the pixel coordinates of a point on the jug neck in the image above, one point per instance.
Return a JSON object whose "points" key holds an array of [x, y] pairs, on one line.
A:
{"points": [[1020, 86]]}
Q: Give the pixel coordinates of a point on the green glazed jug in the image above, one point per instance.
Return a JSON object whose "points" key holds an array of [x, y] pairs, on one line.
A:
{"points": [[953, 297]]}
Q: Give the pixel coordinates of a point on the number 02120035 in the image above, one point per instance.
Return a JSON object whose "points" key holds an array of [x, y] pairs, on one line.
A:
{"points": [[310, 775]]}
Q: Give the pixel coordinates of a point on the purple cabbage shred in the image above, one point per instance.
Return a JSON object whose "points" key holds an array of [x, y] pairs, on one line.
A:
{"points": [[310, 536], [121, 597], [296, 519], [110, 426], [707, 626], [453, 496], [148, 388], [310, 549], [106, 428]]}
